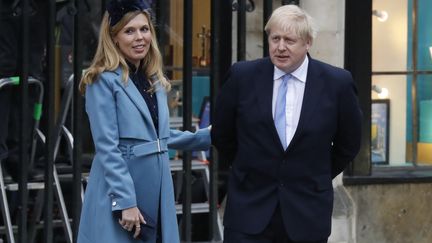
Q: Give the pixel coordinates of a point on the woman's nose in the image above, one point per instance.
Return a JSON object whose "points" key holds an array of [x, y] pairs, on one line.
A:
{"points": [[139, 35]]}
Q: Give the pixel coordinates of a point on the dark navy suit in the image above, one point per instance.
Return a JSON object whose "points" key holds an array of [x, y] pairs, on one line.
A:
{"points": [[299, 179]]}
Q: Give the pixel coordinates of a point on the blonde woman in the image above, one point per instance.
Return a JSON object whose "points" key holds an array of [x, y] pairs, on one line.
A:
{"points": [[129, 197]]}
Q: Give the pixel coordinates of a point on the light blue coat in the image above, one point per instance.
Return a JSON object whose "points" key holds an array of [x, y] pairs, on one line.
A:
{"points": [[128, 170]]}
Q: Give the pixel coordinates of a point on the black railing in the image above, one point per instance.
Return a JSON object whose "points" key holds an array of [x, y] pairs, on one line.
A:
{"points": [[268, 8], [187, 119], [241, 30], [24, 118], [77, 117], [49, 149], [215, 76]]}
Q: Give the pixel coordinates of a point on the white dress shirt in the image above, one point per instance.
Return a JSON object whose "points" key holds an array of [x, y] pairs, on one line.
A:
{"points": [[294, 97]]}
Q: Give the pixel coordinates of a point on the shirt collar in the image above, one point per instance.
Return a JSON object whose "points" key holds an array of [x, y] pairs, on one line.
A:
{"points": [[300, 73]]}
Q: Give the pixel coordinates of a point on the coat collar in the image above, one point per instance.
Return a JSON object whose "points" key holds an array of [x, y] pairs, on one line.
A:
{"points": [[133, 93]]}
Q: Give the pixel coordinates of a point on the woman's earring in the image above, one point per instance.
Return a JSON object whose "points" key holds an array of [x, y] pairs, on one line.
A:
{"points": [[117, 44]]}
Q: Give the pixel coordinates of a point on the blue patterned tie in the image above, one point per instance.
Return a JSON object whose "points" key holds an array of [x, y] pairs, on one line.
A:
{"points": [[279, 115]]}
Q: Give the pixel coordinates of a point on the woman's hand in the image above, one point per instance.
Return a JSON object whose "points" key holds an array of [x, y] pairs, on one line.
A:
{"points": [[132, 217]]}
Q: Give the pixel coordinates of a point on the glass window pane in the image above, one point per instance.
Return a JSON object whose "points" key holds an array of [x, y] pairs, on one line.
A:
{"points": [[393, 89], [389, 36], [424, 35], [400, 123], [424, 97]]}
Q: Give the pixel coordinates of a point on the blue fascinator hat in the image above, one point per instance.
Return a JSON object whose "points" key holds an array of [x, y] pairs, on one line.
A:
{"points": [[118, 8]]}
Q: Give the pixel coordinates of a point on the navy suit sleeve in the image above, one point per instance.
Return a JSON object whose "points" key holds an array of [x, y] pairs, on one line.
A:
{"points": [[223, 132], [346, 143]]}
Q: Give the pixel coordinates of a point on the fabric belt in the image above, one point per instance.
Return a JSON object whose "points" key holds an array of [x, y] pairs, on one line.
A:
{"points": [[142, 149]]}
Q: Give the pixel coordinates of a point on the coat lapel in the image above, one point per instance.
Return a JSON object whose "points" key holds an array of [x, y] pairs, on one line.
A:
{"points": [[132, 92], [264, 89], [312, 93], [264, 86]]}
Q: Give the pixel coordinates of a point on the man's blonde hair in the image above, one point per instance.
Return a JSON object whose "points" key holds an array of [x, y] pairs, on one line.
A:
{"points": [[293, 18]]}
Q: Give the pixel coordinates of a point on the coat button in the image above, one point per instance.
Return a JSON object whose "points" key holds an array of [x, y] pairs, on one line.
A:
{"points": [[114, 203]]}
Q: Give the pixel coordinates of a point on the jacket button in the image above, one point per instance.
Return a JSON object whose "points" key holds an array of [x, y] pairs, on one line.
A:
{"points": [[114, 203]]}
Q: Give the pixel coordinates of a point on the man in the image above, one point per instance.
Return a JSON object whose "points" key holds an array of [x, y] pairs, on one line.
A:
{"points": [[289, 124]]}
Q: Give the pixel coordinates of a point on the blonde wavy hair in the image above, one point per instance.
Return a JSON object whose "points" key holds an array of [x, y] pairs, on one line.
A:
{"points": [[108, 56]]}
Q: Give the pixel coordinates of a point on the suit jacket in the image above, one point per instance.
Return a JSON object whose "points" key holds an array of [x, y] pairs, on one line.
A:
{"points": [[131, 165], [299, 179]]}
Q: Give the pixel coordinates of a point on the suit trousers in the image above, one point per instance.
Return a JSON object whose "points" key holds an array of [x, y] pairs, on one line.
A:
{"points": [[274, 233]]}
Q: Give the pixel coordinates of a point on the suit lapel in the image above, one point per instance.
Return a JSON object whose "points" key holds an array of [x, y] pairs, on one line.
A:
{"points": [[312, 93], [132, 92], [264, 89]]}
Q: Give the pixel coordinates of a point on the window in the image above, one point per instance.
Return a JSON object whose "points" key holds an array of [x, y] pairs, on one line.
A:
{"points": [[402, 75], [391, 60]]}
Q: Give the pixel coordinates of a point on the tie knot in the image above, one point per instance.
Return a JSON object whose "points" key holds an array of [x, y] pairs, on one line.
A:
{"points": [[286, 77]]}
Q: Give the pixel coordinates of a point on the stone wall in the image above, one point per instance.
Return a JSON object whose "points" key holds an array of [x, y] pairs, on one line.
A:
{"points": [[330, 18], [393, 213]]}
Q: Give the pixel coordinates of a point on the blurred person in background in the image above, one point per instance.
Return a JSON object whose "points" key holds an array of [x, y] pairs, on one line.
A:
{"points": [[10, 65]]}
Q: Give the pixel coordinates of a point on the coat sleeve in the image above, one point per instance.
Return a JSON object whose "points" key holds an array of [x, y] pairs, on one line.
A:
{"points": [[102, 113], [224, 129], [347, 141], [185, 140]]}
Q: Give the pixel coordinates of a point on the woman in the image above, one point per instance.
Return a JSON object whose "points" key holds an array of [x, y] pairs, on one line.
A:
{"points": [[130, 182]]}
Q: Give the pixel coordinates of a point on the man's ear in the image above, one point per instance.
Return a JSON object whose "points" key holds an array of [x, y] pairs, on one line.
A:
{"points": [[308, 44]]}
